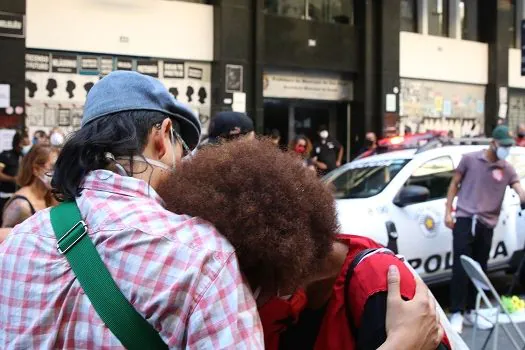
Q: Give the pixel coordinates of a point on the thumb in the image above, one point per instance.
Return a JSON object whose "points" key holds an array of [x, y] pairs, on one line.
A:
{"points": [[393, 283]]}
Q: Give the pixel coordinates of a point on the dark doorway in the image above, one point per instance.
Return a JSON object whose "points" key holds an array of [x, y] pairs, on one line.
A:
{"points": [[276, 117], [308, 120]]}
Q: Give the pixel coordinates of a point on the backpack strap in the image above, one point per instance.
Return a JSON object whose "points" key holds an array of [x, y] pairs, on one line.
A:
{"points": [[349, 274], [133, 331]]}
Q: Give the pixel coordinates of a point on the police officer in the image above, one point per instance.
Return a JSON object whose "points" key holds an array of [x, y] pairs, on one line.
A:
{"points": [[327, 153]]}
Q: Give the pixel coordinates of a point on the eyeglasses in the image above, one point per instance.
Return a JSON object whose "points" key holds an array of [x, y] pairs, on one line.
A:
{"points": [[175, 136], [185, 149]]}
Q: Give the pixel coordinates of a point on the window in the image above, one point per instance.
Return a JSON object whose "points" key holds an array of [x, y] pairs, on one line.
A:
{"points": [[409, 15], [468, 13], [435, 175], [335, 11], [438, 17], [364, 180]]}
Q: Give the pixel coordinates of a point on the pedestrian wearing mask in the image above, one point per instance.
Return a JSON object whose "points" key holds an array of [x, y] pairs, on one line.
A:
{"points": [[327, 153], [56, 137], [34, 179], [302, 147], [480, 182], [520, 140], [175, 278], [9, 165]]}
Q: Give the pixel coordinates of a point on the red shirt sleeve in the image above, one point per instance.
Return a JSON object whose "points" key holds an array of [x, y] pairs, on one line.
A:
{"points": [[370, 278]]}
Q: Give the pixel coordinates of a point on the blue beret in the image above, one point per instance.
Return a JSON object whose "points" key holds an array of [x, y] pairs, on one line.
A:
{"points": [[131, 91]]}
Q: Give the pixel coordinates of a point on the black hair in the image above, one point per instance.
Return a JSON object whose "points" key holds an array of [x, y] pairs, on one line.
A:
{"points": [[275, 134], [40, 133], [123, 134], [17, 138]]}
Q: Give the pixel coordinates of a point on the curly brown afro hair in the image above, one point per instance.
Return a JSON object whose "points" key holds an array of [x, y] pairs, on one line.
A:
{"points": [[279, 217]]}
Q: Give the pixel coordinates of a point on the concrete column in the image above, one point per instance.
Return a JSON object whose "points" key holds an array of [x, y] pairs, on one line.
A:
{"points": [[12, 68]]}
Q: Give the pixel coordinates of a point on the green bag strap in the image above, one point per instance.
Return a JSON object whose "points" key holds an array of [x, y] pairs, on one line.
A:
{"points": [[133, 331]]}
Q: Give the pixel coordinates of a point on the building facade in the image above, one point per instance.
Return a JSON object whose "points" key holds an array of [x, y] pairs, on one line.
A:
{"points": [[387, 66]]}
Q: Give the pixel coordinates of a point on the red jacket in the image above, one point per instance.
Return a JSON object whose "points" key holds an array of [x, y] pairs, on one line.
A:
{"points": [[369, 278]]}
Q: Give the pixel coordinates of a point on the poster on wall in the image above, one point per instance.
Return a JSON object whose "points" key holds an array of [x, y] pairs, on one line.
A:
{"points": [[57, 85], [106, 65], [64, 64], [37, 62], [442, 106], [5, 95], [233, 78], [193, 88], [173, 69], [89, 65], [124, 64], [12, 25], [148, 67]]}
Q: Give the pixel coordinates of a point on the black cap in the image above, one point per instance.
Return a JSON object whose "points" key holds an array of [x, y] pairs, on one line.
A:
{"points": [[229, 124]]}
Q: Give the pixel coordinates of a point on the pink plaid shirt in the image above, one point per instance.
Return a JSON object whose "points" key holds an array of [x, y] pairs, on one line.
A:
{"points": [[177, 271]]}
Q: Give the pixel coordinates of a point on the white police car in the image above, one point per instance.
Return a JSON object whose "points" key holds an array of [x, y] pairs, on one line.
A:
{"points": [[398, 199]]}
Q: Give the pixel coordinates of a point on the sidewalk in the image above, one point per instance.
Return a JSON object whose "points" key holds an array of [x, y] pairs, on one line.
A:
{"points": [[504, 342], [501, 282]]}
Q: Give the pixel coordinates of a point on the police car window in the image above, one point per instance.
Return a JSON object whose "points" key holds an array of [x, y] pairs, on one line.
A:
{"points": [[365, 180], [518, 162], [435, 175]]}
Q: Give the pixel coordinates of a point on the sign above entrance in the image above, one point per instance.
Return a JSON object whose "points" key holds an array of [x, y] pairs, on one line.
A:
{"points": [[12, 25], [306, 86]]}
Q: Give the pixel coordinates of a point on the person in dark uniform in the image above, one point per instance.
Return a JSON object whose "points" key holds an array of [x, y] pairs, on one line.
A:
{"points": [[9, 163], [327, 153]]}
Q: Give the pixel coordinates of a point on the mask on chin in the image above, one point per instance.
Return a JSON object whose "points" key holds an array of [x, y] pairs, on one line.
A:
{"points": [[46, 180], [158, 163]]}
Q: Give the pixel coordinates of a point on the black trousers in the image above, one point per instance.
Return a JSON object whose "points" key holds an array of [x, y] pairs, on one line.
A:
{"points": [[477, 246]]}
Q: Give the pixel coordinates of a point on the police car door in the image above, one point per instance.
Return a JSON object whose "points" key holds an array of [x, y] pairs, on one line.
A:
{"points": [[422, 235]]}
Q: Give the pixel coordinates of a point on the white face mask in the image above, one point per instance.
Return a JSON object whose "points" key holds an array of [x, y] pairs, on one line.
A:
{"points": [[56, 139], [502, 152], [26, 149], [324, 134]]}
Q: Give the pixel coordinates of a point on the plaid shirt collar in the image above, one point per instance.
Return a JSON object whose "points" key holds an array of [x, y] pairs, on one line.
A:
{"points": [[108, 181]]}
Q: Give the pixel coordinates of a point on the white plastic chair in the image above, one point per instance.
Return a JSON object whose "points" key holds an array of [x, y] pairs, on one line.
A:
{"points": [[483, 285]]}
